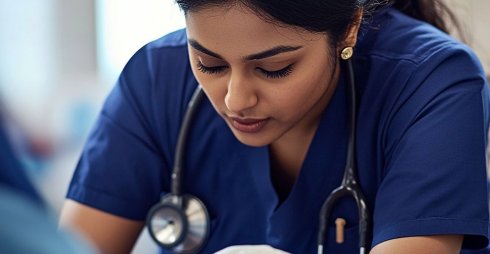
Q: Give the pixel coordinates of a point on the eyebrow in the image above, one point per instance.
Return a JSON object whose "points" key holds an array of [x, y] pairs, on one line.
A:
{"points": [[257, 56]]}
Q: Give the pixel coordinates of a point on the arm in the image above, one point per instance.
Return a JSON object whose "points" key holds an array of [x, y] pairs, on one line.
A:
{"points": [[109, 233], [434, 181], [439, 244]]}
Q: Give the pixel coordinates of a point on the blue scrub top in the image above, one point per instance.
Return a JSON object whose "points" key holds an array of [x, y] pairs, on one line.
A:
{"points": [[422, 128]]}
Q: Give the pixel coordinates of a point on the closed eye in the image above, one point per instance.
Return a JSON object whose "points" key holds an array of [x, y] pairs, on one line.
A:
{"points": [[210, 69], [284, 72]]}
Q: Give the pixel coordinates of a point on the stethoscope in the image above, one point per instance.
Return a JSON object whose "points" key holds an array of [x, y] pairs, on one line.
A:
{"points": [[350, 181], [180, 222]]}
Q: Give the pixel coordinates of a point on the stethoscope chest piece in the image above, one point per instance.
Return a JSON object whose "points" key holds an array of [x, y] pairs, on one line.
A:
{"points": [[179, 223]]}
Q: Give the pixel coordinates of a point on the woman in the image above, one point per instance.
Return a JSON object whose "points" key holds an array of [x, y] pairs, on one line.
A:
{"points": [[269, 142]]}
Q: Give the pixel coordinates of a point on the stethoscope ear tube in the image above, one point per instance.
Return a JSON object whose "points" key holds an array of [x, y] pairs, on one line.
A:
{"points": [[326, 210], [350, 184], [180, 222], [351, 177], [196, 98]]}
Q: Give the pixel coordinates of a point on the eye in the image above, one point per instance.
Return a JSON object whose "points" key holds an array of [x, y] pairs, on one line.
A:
{"points": [[284, 72], [210, 69]]}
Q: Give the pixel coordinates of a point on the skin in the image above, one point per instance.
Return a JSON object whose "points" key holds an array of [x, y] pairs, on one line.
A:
{"points": [[225, 51], [108, 233], [292, 104]]}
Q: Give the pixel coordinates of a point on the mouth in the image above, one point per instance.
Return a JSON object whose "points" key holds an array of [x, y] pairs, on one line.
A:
{"points": [[248, 125]]}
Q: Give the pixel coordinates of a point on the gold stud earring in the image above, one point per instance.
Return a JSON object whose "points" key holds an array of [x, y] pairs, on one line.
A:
{"points": [[347, 53]]}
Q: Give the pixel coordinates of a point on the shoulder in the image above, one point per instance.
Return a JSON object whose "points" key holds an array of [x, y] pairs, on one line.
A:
{"points": [[406, 68], [173, 45], [393, 36], [153, 88], [398, 55], [170, 49], [160, 71], [172, 40]]}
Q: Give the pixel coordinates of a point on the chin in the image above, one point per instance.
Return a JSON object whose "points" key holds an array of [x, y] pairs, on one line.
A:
{"points": [[253, 140]]}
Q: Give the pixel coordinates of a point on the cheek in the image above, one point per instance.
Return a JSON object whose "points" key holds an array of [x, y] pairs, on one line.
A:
{"points": [[302, 96], [307, 86], [210, 85], [302, 93], [215, 89]]}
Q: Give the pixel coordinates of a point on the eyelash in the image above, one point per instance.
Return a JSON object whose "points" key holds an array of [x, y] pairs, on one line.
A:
{"points": [[284, 72], [210, 70]]}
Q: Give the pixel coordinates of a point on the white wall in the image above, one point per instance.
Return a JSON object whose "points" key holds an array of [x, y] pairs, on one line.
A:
{"points": [[474, 15], [124, 26], [27, 64]]}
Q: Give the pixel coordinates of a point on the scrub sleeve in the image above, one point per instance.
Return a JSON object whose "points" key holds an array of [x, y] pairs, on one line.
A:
{"points": [[125, 165], [434, 180]]}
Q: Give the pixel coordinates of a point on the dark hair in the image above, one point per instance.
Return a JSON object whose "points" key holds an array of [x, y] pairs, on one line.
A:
{"points": [[333, 17], [434, 12]]}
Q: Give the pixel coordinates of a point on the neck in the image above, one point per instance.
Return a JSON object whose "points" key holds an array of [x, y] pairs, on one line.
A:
{"points": [[288, 153]]}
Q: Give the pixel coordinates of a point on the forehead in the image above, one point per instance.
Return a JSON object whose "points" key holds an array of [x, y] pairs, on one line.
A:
{"points": [[242, 31]]}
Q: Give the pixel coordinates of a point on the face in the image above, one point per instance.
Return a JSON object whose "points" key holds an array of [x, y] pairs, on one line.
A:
{"points": [[269, 82]]}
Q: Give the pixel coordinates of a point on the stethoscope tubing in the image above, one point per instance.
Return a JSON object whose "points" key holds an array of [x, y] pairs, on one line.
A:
{"points": [[350, 183], [176, 186], [349, 186], [178, 208]]}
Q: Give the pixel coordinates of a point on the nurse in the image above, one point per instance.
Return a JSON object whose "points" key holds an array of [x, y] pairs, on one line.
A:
{"points": [[268, 143]]}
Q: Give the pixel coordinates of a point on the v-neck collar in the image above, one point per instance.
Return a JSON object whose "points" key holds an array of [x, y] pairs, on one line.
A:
{"points": [[320, 172]]}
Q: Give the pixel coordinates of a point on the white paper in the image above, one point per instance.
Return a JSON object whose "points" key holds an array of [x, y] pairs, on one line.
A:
{"points": [[251, 249]]}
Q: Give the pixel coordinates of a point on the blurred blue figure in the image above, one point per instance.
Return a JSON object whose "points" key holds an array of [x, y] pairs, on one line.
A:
{"points": [[26, 224], [11, 174]]}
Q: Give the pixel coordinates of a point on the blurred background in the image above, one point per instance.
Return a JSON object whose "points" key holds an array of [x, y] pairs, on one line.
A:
{"points": [[60, 58], [58, 61]]}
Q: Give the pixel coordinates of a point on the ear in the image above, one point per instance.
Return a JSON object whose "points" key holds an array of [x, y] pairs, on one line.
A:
{"points": [[350, 39]]}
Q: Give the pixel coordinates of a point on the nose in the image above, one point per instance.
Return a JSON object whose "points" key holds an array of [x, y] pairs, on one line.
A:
{"points": [[240, 95]]}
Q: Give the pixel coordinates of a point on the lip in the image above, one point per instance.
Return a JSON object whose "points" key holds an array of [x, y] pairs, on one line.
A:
{"points": [[248, 125]]}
